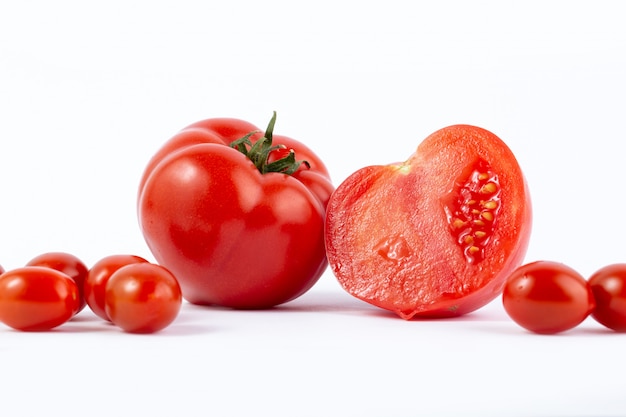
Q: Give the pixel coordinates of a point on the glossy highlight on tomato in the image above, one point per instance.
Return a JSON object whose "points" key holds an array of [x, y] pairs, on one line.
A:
{"points": [[547, 297], [237, 215], [35, 298], [436, 235], [142, 298], [608, 285]]}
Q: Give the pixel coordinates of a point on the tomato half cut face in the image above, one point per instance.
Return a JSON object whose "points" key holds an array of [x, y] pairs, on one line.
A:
{"points": [[436, 235]]}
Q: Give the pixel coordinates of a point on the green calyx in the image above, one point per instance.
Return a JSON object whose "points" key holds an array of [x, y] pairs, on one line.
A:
{"points": [[260, 151]]}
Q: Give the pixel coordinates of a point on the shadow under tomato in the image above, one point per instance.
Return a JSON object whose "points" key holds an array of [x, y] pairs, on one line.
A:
{"points": [[345, 303], [326, 302], [583, 330], [318, 302]]}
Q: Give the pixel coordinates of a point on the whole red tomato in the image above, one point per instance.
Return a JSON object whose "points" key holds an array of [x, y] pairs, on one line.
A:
{"points": [[36, 298], [68, 264], [142, 298], [235, 215], [94, 286], [436, 235], [547, 297], [608, 285]]}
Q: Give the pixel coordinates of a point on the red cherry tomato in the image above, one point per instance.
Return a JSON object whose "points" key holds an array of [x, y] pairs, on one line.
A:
{"points": [[239, 232], [608, 285], [547, 297], [436, 235], [142, 298], [68, 264], [35, 298], [97, 277]]}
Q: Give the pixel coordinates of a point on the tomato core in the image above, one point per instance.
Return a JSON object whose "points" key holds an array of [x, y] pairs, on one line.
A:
{"points": [[472, 210]]}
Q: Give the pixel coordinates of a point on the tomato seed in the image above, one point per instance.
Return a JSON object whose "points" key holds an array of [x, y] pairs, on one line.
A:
{"points": [[469, 214]]}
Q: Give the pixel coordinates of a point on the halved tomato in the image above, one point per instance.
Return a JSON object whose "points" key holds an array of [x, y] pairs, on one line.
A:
{"points": [[436, 235]]}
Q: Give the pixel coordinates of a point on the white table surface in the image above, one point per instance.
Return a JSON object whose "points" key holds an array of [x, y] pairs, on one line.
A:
{"points": [[325, 353]]}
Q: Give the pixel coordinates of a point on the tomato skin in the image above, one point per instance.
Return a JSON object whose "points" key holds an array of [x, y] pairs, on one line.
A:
{"points": [[95, 283], [608, 285], [232, 236], [547, 297], [68, 264], [224, 131], [142, 298], [390, 234], [35, 298]]}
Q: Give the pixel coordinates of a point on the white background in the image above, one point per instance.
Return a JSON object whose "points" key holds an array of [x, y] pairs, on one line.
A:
{"points": [[88, 91]]}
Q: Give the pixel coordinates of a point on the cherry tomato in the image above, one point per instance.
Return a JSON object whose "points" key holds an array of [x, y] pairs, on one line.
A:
{"points": [[35, 298], [246, 226], [547, 297], [142, 298], [437, 235], [608, 285], [68, 264], [97, 277]]}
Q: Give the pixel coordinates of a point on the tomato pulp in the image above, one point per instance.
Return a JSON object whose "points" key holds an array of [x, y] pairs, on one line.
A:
{"points": [[436, 235]]}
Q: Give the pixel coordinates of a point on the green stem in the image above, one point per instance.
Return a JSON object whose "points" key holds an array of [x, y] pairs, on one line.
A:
{"points": [[260, 151]]}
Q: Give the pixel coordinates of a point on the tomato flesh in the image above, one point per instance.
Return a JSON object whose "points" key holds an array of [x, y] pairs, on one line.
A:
{"points": [[436, 235]]}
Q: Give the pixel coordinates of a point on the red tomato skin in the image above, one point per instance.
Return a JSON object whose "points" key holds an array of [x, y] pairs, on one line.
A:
{"points": [[95, 283], [67, 263], [142, 298], [224, 131], [608, 285], [229, 130], [227, 217], [34, 298], [389, 239], [547, 297], [232, 236]]}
